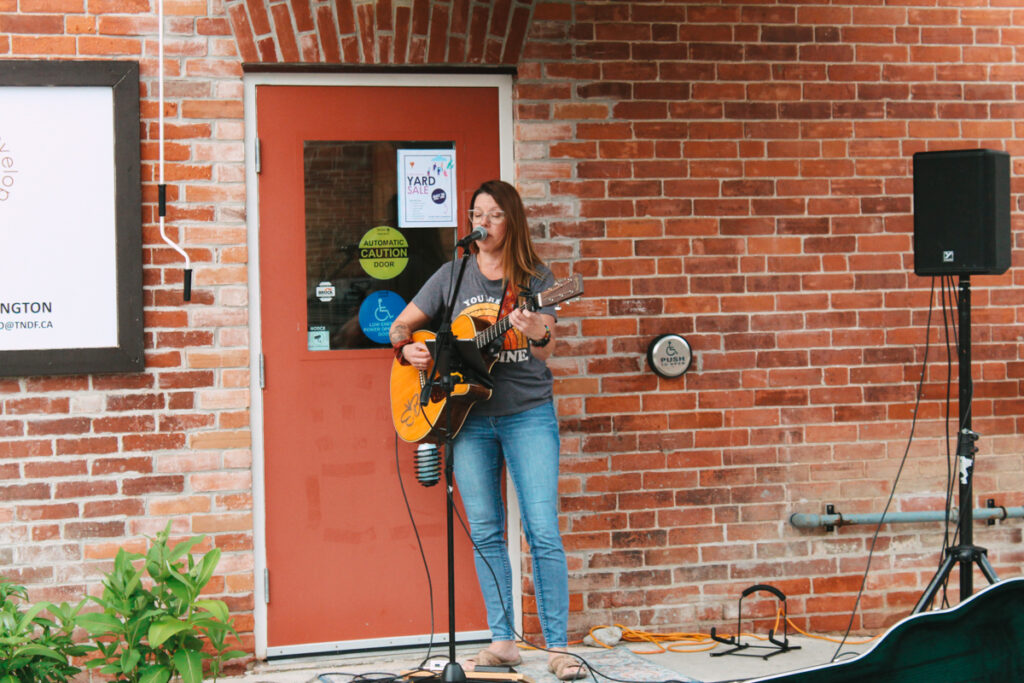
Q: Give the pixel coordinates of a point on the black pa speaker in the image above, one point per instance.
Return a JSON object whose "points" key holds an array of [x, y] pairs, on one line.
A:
{"points": [[961, 212]]}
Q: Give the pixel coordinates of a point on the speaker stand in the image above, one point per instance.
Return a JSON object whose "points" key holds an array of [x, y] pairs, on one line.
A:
{"points": [[966, 554]]}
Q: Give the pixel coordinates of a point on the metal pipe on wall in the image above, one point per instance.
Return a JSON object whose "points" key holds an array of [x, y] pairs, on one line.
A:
{"points": [[809, 520]]}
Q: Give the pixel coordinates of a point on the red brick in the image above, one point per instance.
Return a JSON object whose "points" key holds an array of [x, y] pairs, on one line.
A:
{"points": [[32, 23], [59, 468], [242, 30], [211, 109], [25, 449], [84, 530], [153, 442], [86, 445], [81, 489], [153, 484], [36, 405], [136, 402], [90, 45], [69, 425], [114, 508], [39, 512], [285, 33], [124, 424], [45, 6], [103, 466], [25, 492]]}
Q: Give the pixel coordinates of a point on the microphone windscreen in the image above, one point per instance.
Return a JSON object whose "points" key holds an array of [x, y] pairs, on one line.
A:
{"points": [[428, 464]]}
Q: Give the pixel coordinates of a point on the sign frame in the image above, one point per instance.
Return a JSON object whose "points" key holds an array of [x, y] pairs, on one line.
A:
{"points": [[122, 77]]}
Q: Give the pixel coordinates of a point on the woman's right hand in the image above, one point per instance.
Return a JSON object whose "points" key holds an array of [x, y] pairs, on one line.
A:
{"points": [[417, 355]]}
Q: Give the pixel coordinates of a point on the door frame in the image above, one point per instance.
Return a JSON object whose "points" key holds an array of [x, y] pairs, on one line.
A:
{"points": [[407, 78]]}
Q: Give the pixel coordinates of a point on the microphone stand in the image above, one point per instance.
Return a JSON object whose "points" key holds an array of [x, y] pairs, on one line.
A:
{"points": [[445, 362]]}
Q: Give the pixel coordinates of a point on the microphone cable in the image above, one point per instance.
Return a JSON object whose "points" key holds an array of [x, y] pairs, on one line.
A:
{"points": [[368, 677], [423, 554], [384, 677]]}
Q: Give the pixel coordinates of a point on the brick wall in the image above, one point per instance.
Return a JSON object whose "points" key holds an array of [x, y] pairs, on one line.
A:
{"points": [[91, 463], [741, 174], [737, 173]]}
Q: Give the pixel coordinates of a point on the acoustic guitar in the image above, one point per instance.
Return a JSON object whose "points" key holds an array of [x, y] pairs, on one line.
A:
{"points": [[416, 422]]}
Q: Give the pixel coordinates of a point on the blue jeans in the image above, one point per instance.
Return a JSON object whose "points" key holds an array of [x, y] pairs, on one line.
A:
{"points": [[527, 444]]}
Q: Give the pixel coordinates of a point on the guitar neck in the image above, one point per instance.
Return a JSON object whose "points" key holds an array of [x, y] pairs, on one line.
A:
{"points": [[494, 331], [561, 291]]}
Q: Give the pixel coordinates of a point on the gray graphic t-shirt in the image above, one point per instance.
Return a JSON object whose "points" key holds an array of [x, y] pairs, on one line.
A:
{"points": [[521, 381]]}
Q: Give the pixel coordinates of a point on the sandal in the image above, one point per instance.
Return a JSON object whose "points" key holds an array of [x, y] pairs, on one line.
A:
{"points": [[487, 658], [567, 668]]}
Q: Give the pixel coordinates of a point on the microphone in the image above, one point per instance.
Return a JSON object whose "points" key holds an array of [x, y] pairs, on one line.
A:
{"points": [[428, 464], [479, 233]]}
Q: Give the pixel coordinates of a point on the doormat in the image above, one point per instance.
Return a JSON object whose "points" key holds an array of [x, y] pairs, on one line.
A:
{"points": [[616, 664]]}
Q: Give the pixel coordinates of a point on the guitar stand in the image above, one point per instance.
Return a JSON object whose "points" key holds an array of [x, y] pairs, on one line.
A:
{"points": [[777, 647]]}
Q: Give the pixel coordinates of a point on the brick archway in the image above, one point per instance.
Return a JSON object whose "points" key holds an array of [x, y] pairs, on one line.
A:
{"points": [[384, 32]]}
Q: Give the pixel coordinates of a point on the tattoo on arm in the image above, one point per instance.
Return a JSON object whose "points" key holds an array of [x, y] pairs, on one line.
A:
{"points": [[399, 332]]}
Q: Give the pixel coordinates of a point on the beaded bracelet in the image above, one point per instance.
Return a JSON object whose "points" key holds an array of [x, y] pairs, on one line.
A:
{"points": [[543, 341]]}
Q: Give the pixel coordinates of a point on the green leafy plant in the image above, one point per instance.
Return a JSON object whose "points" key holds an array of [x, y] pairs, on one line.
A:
{"points": [[153, 628], [33, 647]]}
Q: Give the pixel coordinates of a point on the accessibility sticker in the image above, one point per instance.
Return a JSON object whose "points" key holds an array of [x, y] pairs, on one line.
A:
{"points": [[377, 312]]}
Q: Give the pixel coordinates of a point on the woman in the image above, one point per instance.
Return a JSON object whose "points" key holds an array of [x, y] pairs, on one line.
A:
{"points": [[516, 428]]}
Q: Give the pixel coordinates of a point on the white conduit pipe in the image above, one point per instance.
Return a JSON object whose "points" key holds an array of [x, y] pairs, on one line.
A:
{"points": [[808, 521], [162, 187]]}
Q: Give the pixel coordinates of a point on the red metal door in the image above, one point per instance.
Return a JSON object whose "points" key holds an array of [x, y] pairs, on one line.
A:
{"points": [[344, 569]]}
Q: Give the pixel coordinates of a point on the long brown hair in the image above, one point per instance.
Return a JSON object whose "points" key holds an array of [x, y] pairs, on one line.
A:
{"points": [[519, 257]]}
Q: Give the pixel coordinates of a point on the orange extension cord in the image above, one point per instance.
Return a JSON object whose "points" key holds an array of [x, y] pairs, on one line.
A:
{"points": [[699, 642]]}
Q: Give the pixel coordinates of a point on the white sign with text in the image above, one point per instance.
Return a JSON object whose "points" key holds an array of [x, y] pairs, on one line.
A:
{"points": [[58, 267], [426, 188]]}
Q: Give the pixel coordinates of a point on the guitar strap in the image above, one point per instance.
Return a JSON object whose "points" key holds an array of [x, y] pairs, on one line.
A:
{"points": [[508, 302]]}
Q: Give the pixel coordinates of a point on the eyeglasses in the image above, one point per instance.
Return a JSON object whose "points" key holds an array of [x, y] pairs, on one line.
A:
{"points": [[496, 216]]}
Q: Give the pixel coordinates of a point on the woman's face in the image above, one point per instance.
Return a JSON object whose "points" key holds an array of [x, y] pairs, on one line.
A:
{"points": [[492, 217]]}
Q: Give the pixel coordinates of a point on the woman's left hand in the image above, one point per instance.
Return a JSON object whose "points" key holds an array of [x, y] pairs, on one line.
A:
{"points": [[532, 325]]}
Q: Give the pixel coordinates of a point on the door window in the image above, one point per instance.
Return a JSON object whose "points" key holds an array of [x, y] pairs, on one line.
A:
{"points": [[361, 268]]}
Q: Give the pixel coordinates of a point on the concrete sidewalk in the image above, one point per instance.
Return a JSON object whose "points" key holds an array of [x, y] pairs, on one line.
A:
{"points": [[701, 666]]}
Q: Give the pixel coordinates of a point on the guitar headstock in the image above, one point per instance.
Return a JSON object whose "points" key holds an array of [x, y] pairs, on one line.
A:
{"points": [[563, 290]]}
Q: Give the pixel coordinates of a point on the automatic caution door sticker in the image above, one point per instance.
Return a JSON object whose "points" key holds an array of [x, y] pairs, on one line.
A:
{"points": [[383, 252], [377, 312]]}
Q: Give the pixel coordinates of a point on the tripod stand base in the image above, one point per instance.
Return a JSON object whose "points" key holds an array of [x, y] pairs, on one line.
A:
{"points": [[453, 673], [965, 555]]}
